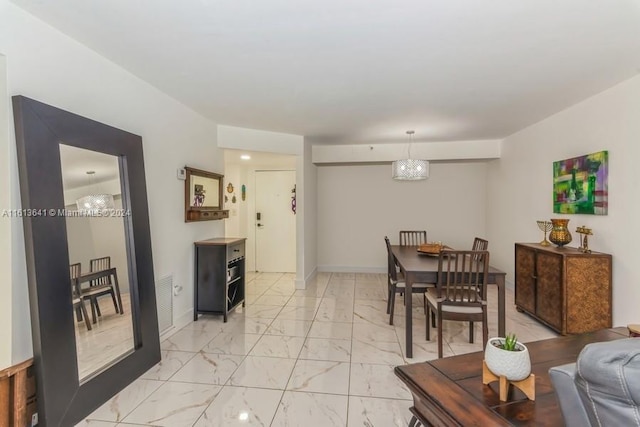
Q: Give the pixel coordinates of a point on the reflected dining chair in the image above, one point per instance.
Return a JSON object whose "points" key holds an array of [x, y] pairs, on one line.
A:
{"points": [[78, 301], [395, 285], [460, 293], [101, 286], [480, 244], [412, 237]]}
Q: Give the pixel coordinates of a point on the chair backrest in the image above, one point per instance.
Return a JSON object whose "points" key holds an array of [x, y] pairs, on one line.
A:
{"points": [[391, 262], [74, 272], [412, 237], [99, 264], [461, 277], [480, 244]]}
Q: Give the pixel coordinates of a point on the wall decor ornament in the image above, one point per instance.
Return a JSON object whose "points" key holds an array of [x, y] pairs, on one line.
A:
{"points": [[580, 184], [244, 192], [230, 188], [293, 200]]}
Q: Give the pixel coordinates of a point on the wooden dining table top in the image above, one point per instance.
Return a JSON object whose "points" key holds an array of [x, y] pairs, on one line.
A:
{"points": [[413, 260]]}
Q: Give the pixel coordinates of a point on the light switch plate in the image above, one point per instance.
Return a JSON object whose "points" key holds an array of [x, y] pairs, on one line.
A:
{"points": [[182, 174]]}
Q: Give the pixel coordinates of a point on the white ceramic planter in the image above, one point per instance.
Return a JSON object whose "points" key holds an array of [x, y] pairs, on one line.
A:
{"points": [[515, 365]]}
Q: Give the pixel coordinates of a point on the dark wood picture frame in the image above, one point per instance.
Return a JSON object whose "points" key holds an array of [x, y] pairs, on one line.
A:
{"points": [[209, 210], [62, 399]]}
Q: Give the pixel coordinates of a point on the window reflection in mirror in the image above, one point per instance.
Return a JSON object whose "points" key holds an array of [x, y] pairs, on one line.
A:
{"points": [[95, 220]]}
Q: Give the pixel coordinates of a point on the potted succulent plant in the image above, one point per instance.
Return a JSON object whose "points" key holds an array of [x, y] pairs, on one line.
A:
{"points": [[508, 357]]}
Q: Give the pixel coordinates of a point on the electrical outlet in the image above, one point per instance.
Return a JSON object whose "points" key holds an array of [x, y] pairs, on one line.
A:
{"points": [[34, 420]]}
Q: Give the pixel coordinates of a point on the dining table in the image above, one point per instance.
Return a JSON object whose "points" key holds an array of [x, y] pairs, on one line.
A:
{"points": [[97, 276], [419, 267]]}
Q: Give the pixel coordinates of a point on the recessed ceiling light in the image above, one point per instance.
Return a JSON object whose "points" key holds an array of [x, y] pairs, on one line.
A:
{"points": [[245, 157]]}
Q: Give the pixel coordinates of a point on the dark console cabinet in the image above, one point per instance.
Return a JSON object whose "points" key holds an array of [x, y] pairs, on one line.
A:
{"points": [[219, 276]]}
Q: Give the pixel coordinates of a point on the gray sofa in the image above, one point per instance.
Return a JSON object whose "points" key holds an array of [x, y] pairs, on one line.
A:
{"points": [[603, 387]]}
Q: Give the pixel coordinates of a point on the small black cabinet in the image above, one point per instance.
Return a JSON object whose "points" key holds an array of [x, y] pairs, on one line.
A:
{"points": [[219, 276]]}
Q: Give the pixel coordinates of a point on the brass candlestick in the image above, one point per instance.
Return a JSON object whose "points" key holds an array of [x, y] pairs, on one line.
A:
{"points": [[584, 233], [545, 227]]}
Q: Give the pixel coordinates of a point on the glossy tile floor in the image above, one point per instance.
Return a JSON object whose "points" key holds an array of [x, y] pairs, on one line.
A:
{"points": [[109, 339], [322, 356]]}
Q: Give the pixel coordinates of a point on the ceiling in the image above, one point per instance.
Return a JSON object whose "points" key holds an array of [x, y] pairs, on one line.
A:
{"points": [[365, 71], [259, 160], [76, 162]]}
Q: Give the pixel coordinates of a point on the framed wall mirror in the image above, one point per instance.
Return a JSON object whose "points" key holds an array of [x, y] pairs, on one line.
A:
{"points": [[203, 196], [89, 262]]}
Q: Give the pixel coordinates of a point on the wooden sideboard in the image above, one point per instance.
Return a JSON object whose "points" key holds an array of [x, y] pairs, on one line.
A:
{"points": [[568, 290], [219, 276]]}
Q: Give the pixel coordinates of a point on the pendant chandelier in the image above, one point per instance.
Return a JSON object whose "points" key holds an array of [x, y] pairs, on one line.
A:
{"points": [[410, 169], [95, 202]]}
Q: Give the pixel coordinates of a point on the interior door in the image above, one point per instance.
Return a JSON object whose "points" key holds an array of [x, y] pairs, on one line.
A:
{"points": [[275, 222]]}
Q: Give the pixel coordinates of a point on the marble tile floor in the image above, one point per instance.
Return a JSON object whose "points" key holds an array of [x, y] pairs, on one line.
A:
{"points": [[322, 356], [110, 338]]}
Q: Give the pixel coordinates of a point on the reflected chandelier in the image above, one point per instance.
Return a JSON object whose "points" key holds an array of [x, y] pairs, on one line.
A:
{"points": [[410, 169], [95, 202]]}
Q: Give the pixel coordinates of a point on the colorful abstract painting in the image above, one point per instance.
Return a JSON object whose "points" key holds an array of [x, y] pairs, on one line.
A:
{"points": [[580, 184]]}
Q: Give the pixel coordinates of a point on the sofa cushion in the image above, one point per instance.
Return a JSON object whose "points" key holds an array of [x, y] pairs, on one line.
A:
{"points": [[608, 381]]}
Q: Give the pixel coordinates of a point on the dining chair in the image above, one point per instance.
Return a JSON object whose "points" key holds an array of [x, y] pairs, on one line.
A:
{"points": [[412, 237], [460, 293], [101, 286], [395, 285], [479, 244], [77, 300]]}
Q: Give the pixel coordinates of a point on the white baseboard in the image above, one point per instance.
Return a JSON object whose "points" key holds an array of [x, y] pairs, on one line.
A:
{"points": [[178, 323], [350, 269], [302, 284]]}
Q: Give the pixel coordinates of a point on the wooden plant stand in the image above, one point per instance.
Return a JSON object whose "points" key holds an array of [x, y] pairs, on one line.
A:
{"points": [[527, 385]]}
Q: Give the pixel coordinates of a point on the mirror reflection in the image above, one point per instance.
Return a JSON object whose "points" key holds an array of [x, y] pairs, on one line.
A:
{"points": [[204, 192], [95, 220]]}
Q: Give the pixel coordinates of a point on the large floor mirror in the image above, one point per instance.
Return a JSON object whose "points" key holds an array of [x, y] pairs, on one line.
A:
{"points": [[88, 248]]}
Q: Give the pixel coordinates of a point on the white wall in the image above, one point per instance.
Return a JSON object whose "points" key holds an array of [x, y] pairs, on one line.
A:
{"points": [[307, 205], [520, 186], [5, 223], [359, 205], [44, 64]]}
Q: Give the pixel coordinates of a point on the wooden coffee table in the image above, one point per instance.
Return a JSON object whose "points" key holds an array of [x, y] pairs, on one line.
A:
{"points": [[449, 392]]}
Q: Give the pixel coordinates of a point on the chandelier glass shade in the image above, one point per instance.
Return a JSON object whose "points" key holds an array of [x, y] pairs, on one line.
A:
{"points": [[410, 169], [95, 202]]}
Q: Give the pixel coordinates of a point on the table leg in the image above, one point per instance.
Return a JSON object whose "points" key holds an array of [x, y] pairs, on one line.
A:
{"points": [[408, 313], [117, 286], [501, 305]]}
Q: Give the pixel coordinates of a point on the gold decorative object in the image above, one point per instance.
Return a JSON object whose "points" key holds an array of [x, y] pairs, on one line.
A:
{"points": [[545, 227], [560, 233], [584, 238], [431, 248], [230, 188]]}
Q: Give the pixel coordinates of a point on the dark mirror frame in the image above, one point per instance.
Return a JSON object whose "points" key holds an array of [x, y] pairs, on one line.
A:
{"points": [[203, 213], [62, 399]]}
